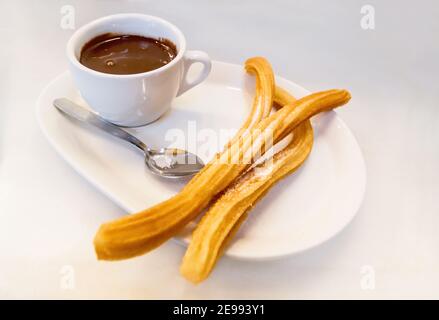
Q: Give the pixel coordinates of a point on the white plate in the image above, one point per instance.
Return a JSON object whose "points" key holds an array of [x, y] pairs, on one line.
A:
{"points": [[302, 211]]}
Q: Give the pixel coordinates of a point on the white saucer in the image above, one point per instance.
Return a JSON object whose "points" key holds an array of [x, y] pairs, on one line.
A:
{"points": [[301, 212]]}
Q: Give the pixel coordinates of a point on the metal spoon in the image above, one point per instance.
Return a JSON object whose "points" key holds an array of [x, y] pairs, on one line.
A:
{"points": [[166, 162]]}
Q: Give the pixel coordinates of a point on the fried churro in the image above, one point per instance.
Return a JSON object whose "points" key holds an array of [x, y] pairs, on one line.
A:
{"points": [[156, 221], [224, 217], [262, 103], [139, 233], [265, 90]]}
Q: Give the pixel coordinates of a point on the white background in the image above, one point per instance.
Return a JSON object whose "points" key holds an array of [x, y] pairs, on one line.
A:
{"points": [[49, 214]]}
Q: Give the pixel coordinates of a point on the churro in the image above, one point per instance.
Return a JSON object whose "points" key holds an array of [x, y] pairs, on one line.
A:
{"points": [[139, 233], [265, 90], [109, 241], [262, 103], [224, 217]]}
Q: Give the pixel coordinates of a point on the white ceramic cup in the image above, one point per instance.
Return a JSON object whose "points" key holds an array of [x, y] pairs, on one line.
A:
{"points": [[134, 99]]}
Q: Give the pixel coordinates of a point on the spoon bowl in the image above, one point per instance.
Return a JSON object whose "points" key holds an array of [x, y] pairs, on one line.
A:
{"points": [[172, 163], [165, 162]]}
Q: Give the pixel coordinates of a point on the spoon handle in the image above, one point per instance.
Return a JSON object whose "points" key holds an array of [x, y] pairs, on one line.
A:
{"points": [[80, 113]]}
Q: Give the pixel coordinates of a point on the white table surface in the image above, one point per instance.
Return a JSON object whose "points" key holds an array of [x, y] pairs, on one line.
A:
{"points": [[49, 214]]}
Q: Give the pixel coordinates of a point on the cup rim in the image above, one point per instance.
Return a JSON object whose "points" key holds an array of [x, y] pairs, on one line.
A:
{"points": [[71, 45]]}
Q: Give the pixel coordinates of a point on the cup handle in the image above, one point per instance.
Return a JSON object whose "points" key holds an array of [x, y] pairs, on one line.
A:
{"points": [[189, 58]]}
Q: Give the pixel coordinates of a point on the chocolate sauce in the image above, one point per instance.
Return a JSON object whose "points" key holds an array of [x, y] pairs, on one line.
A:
{"points": [[126, 54]]}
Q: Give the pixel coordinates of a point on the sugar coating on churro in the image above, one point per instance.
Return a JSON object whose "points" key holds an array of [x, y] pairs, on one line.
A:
{"points": [[139, 233], [225, 216]]}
